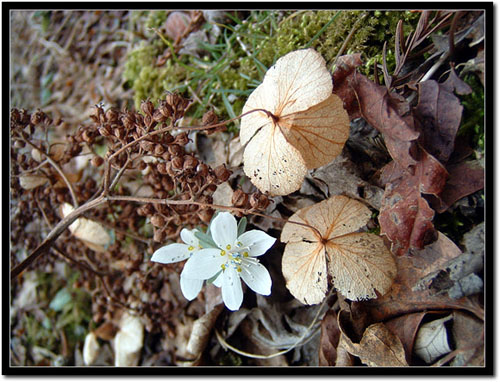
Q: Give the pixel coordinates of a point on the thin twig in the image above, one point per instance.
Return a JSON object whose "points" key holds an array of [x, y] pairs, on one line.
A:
{"points": [[57, 168], [54, 234], [226, 345]]}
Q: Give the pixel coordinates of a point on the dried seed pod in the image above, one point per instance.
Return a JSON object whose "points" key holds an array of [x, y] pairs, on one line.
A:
{"points": [[167, 183], [166, 109], [157, 220], [159, 235], [177, 162], [205, 215], [15, 116], [190, 162], [37, 117], [222, 173], [147, 145], [259, 201], [88, 135], [202, 169], [128, 120], [148, 108], [240, 198], [175, 150], [181, 138], [158, 116], [104, 131], [18, 144], [97, 161], [159, 149], [168, 138], [209, 118], [112, 115], [162, 168], [149, 122], [142, 166]]}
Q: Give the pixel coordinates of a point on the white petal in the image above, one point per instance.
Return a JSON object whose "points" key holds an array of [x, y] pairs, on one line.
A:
{"points": [[257, 241], [171, 253], [218, 281], [188, 237], [256, 276], [232, 293], [190, 287], [224, 230], [204, 264]]}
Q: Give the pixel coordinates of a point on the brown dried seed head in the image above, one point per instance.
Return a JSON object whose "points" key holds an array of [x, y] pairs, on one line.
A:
{"points": [[112, 115], [181, 139], [148, 108], [37, 117], [159, 236], [190, 162], [177, 162], [167, 183], [104, 131], [159, 117], [159, 149], [147, 145], [166, 109], [15, 116], [209, 118], [259, 201], [205, 215], [202, 169], [97, 161], [222, 173], [175, 150], [19, 144], [157, 220], [239, 199], [162, 168]]}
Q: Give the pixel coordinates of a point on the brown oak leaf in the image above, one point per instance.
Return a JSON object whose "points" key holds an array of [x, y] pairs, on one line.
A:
{"points": [[405, 216]]}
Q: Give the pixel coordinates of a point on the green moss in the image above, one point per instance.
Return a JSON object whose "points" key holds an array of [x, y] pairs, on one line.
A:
{"points": [[472, 125], [236, 63]]}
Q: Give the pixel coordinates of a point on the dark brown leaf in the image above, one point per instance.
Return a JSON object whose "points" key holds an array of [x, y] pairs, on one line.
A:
{"points": [[454, 84], [406, 327], [405, 217], [439, 112], [383, 111], [468, 334], [176, 24], [329, 340], [465, 179], [342, 76], [403, 298]]}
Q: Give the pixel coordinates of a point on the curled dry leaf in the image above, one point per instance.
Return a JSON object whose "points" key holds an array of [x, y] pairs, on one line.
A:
{"points": [[88, 231], [90, 349], [299, 124], [432, 340], [29, 182], [359, 263], [128, 341], [200, 333], [378, 347]]}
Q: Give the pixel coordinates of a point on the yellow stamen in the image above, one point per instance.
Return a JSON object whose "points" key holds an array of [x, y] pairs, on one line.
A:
{"points": [[228, 247], [245, 254], [222, 252], [223, 266], [190, 248], [238, 269]]}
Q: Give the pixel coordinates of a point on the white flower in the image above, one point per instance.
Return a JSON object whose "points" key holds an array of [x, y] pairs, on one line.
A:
{"points": [[234, 258], [173, 253]]}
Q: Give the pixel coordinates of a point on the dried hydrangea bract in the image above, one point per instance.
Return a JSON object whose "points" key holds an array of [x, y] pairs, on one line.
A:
{"points": [[300, 124], [358, 262]]}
